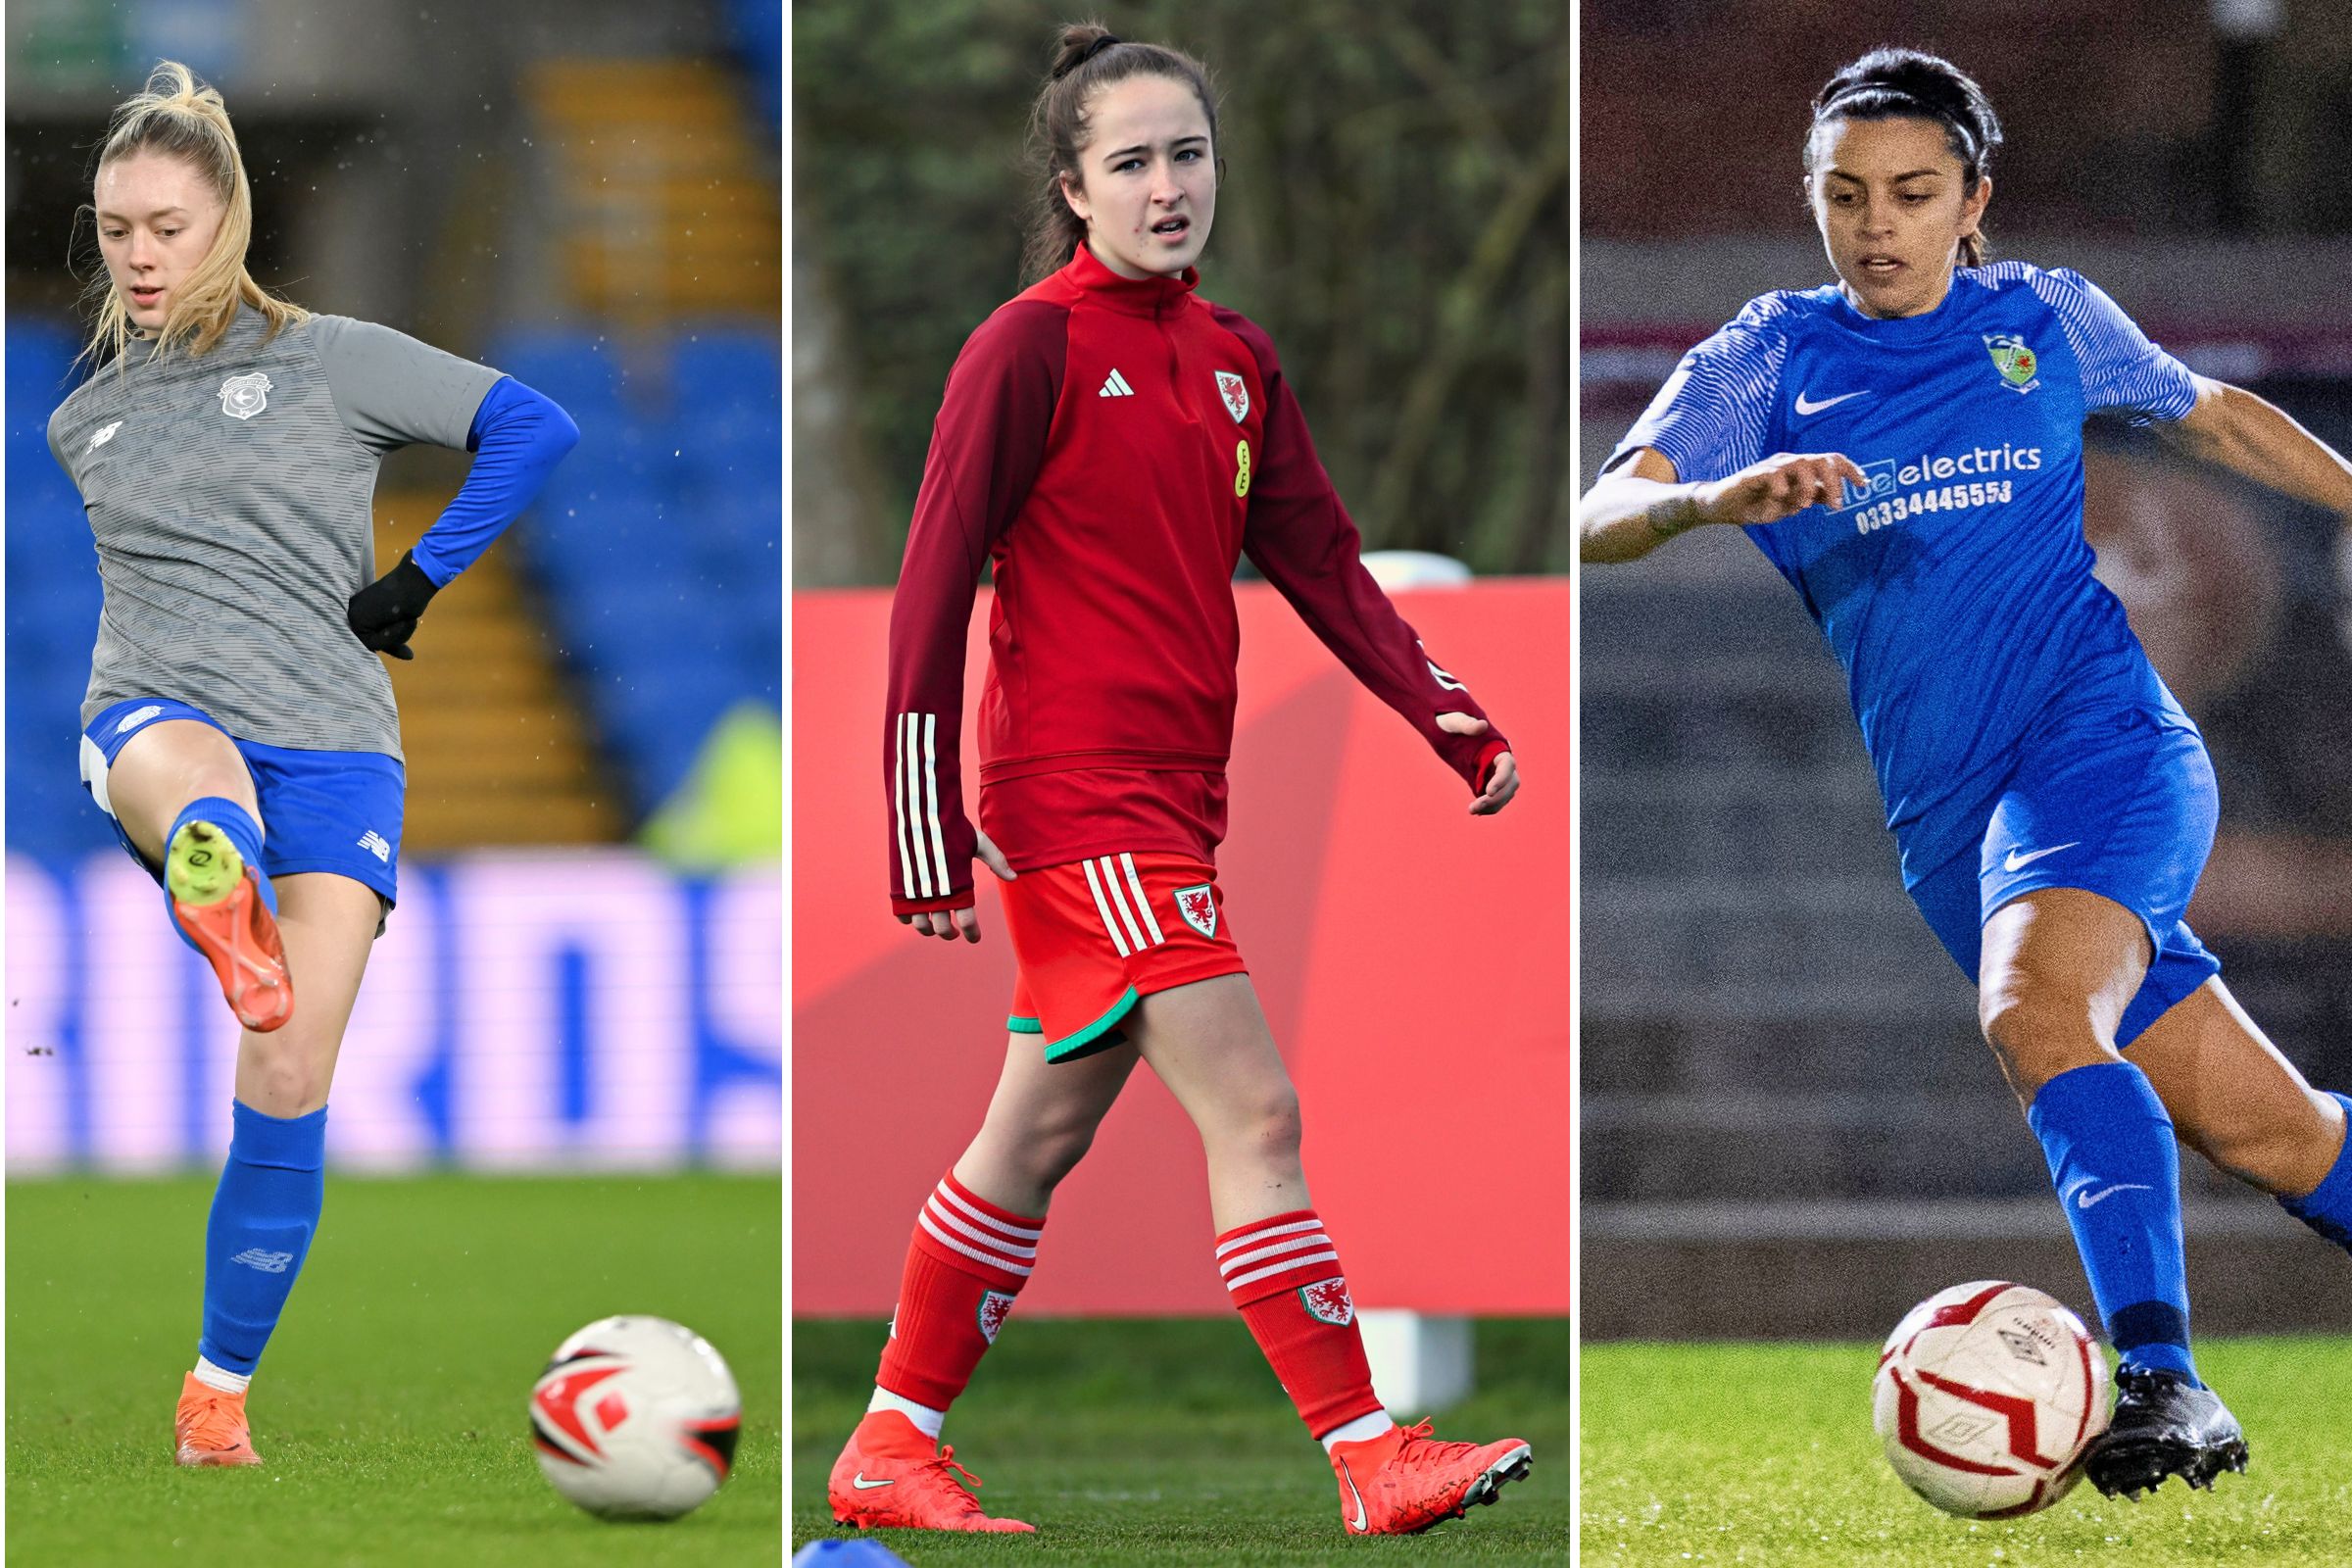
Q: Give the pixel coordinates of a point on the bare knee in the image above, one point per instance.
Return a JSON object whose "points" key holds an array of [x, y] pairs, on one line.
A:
{"points": [[1265, 1124], [2038, 1030], [282, 1078]]}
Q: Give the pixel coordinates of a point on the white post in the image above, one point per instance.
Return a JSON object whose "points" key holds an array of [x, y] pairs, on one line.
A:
{"points": [[1419, 1363]]}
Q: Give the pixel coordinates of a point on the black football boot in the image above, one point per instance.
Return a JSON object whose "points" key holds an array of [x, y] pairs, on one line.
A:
{"points": [[2164, 1425]]}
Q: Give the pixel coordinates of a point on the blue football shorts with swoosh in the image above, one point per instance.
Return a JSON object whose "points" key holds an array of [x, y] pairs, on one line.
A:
{"points": [[336, 811], [2118, 801]]}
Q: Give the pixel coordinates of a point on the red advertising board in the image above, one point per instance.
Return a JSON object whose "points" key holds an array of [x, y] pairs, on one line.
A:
{"points": [[1413, 961]]}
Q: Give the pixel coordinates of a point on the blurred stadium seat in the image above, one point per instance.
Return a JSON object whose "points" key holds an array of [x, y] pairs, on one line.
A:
{"points": [[657, 544]]}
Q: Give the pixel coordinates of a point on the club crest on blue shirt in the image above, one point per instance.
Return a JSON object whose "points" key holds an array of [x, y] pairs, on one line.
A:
{"points": [[244, 396], [2018, 364]]}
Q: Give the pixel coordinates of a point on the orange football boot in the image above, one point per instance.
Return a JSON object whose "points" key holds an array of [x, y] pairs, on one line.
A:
{"points": [[889, 1478], [217, 899], [211, 1426], [1403, 1481]]}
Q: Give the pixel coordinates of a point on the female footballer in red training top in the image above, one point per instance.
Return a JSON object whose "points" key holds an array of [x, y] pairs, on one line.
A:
{"points": [[1113, 444]]}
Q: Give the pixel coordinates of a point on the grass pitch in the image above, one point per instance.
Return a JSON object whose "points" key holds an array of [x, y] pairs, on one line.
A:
{"points": [[1167, 1440], [1750, 1454], [389, 1412]]}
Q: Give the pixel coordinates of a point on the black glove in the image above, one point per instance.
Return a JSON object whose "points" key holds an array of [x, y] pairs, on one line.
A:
{"points": [[383, 614]]}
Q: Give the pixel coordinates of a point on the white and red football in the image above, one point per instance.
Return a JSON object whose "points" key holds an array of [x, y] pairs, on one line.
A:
{"points": [[636, 1418], [1987, 1397]]}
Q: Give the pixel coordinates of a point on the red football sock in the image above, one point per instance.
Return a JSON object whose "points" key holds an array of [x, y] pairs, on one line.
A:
{"points": [[968, 1261], [1284, 1274]]}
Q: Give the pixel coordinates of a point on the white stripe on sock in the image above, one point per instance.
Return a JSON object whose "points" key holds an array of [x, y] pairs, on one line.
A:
{"points": [[978, 1237], [1016, 1232], [1268, 1233], [1283, 1267], [1297, 1244], [973, 1252]]}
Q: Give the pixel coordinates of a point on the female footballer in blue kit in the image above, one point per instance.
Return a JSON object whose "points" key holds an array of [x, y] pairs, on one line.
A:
{"points": [[239, 729], [1905, 446]]}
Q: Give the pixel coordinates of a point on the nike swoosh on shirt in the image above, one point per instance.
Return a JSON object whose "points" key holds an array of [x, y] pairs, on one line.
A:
{"points": [[2088, 1199], [1805, 406], [2017, 860], [862, 1485]]}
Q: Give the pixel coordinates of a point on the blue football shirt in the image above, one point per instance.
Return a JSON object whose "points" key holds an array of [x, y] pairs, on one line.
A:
{"points": [[1956, 588]]}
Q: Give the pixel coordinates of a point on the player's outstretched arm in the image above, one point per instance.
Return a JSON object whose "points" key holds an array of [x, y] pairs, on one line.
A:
{"points": [[1636, 508], [2232, 428]]}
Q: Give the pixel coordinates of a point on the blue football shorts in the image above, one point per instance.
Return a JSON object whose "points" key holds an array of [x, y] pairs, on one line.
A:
{"points": [[2118, 801], [336, 811]]}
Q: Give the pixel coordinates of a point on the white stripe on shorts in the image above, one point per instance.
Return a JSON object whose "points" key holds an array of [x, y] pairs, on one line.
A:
{"points": [[1094, 885], [1118, 898], [1136, 882]]}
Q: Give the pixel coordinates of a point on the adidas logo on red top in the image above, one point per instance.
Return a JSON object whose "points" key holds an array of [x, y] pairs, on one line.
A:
{"points": [[1115, 386]]}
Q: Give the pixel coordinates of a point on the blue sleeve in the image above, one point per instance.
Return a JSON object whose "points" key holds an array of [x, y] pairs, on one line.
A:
{"points": [[1713, 415], [517, 437], [2120, 367]]}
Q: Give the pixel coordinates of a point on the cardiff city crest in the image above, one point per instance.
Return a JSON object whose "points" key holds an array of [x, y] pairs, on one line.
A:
{"points": [[1328, 1302], [995, 1306], [1236, 393], [1199, 907], [244, 396], [2019, 366]]}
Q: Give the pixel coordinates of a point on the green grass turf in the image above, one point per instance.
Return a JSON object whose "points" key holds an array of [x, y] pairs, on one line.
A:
{"points": [[1755, 1453], [390, 1410], [1167, 1440]]}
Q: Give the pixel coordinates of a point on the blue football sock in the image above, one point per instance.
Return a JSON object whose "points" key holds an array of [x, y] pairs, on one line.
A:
{"points": [[263, 1219], [243, 832], [2118, 1173], [2327, 1208]]}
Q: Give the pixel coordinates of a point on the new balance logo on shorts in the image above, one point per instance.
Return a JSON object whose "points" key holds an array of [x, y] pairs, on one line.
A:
{"points": [[1132, 925], [135, 717], [373, 843], [266, 1262]]}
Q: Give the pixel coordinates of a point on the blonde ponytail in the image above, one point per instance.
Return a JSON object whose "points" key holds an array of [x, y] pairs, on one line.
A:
{"points": [[179, 118]]}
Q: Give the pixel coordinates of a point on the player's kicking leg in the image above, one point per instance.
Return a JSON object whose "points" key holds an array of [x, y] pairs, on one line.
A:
{"points": [[272, 1187], [185, 801], [975, 1242], [1210, 1044]]}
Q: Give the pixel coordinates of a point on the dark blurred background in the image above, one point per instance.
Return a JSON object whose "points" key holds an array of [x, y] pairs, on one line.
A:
{"points": [[1395, 212], [1789, 1124]]}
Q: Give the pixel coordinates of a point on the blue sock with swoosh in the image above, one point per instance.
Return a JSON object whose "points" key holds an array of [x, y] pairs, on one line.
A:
{"points": [[2327, 1208], [2117, 1169], [264, 1214]]}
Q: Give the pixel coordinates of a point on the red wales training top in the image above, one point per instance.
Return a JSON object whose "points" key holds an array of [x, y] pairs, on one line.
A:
{"points": [[1113, 447]]}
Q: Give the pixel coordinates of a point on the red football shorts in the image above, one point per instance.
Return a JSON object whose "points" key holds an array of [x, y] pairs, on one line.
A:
{"points": [[1093, 935]]}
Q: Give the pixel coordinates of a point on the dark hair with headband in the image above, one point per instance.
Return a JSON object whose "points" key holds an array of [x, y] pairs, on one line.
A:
{"points": [[1087, 58], [1907, 84]]}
